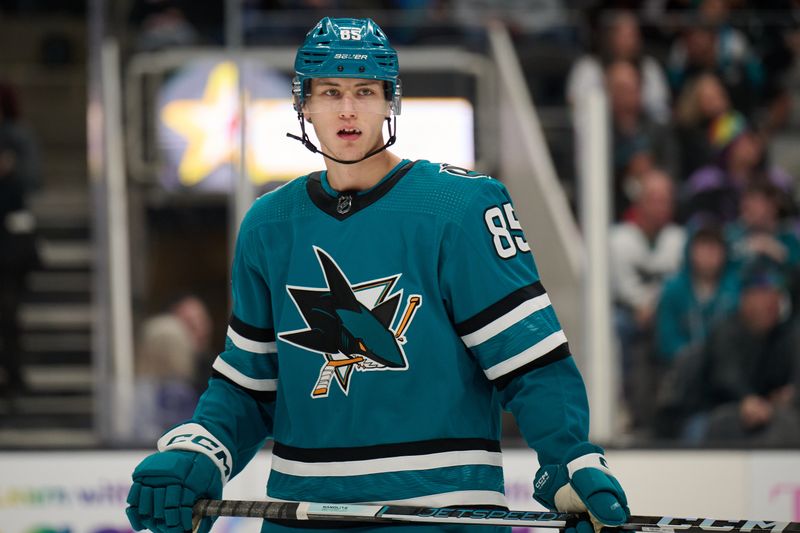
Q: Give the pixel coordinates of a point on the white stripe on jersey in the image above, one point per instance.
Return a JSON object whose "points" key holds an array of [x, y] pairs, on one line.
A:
{"points": [[498, 325], [454, 499], [457, 498], [250, 345], [543, 347], [388, 464], [262, 385]]}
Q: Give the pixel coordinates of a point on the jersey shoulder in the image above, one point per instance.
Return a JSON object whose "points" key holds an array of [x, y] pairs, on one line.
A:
{"points": [[282, 203], [467, 181], [451, 190]]}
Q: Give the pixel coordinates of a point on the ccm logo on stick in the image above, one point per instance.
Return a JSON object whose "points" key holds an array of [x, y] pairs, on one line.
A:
{"points": [[710, 524]]}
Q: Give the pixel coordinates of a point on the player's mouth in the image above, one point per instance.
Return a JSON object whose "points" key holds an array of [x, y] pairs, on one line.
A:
{"points": [[349, 134]]}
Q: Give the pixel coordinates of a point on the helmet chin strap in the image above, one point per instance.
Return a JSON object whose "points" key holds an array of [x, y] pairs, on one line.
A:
{"points": [[392, 125]]}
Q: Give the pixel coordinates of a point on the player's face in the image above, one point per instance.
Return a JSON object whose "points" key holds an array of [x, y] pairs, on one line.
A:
{"points": [[347, 115]]}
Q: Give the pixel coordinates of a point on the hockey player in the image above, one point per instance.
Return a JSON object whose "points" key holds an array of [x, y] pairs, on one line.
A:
{"points": [[385, 311]]}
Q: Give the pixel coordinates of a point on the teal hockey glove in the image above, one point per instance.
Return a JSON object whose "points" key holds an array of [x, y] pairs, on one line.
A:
{"points": [[165, 487], [583, 484]]}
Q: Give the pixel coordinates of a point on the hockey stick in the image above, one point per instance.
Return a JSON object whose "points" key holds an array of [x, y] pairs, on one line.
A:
{"points": [[467, 516]]}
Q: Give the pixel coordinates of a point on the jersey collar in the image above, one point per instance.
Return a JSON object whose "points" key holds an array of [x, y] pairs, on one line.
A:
{"points": [[342, 204]]}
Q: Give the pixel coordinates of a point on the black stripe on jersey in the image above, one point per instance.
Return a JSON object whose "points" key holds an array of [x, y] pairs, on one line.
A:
{"points": [[500, 308], [251, 332], [330, 204], [556, 354], [258, 395], [381, 451]]}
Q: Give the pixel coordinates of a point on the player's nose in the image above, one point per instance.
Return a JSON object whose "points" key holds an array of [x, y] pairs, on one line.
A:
{"points": [[348, 106]]}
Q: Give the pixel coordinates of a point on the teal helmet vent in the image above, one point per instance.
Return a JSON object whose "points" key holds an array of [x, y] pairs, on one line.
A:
{"points": [[346, 48]]}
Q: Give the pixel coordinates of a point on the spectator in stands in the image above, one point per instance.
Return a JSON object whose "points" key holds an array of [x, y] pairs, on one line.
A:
{"points": [[774, 30], [770, 27], [644, 251], [702, 293], [712, 45], [171, 347], [162, 24], [196, 319], [702, 100], [639, 143], [18, 253], [20, 146], [759, 230], [752, 369], [621, 41], [740, 159], [694, 52]]}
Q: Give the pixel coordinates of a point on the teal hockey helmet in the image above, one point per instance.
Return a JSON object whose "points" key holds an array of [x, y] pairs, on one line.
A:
{"points": [[346, 48]]}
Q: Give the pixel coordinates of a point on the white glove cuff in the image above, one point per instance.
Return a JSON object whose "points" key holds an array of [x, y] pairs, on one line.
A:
{"points": [[590, 460], [195, 438]]}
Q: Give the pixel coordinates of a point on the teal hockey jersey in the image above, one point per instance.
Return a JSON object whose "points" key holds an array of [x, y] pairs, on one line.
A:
{"points": [[376, 336]]}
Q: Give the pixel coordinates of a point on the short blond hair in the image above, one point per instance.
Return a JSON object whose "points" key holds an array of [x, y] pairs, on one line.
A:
{"points": [[165, 349]]}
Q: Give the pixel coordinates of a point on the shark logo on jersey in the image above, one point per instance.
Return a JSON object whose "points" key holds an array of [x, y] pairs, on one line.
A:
{"points": [[351, 326], [460, 172]]}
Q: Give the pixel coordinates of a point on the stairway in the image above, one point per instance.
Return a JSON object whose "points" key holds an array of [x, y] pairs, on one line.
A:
{"points": [[55, 320]]}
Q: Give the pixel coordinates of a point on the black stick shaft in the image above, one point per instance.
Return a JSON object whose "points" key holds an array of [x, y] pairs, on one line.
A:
{"points": [[470, 516]]}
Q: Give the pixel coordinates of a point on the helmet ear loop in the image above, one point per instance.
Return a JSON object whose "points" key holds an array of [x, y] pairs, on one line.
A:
{"points": [[304, 136], [391, 125], [306, 140]]}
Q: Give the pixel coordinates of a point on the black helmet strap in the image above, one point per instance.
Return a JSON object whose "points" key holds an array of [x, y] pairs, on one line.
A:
{"points": [[391, 124]]}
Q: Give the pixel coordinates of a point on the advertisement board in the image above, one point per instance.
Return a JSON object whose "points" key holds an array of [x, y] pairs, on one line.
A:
{"points": [[776, 484], [84, 492]]}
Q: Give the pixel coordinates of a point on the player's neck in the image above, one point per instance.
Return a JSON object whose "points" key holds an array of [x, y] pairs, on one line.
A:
{"points": [[362, 175]]}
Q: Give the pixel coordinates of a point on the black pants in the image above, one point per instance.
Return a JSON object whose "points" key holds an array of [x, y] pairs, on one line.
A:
{"points": [[11, 284]]}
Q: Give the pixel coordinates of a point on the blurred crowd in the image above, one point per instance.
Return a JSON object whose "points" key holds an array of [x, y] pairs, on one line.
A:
{"points": [[705, 247]]}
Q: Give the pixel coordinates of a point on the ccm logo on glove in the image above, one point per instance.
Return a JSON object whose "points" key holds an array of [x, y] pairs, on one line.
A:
{"points": [[196, 438], [203, 442], [542, 480]]}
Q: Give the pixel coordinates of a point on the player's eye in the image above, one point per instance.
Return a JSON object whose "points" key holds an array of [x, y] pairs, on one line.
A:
{"points": [[366, 91], [330, 92]]}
